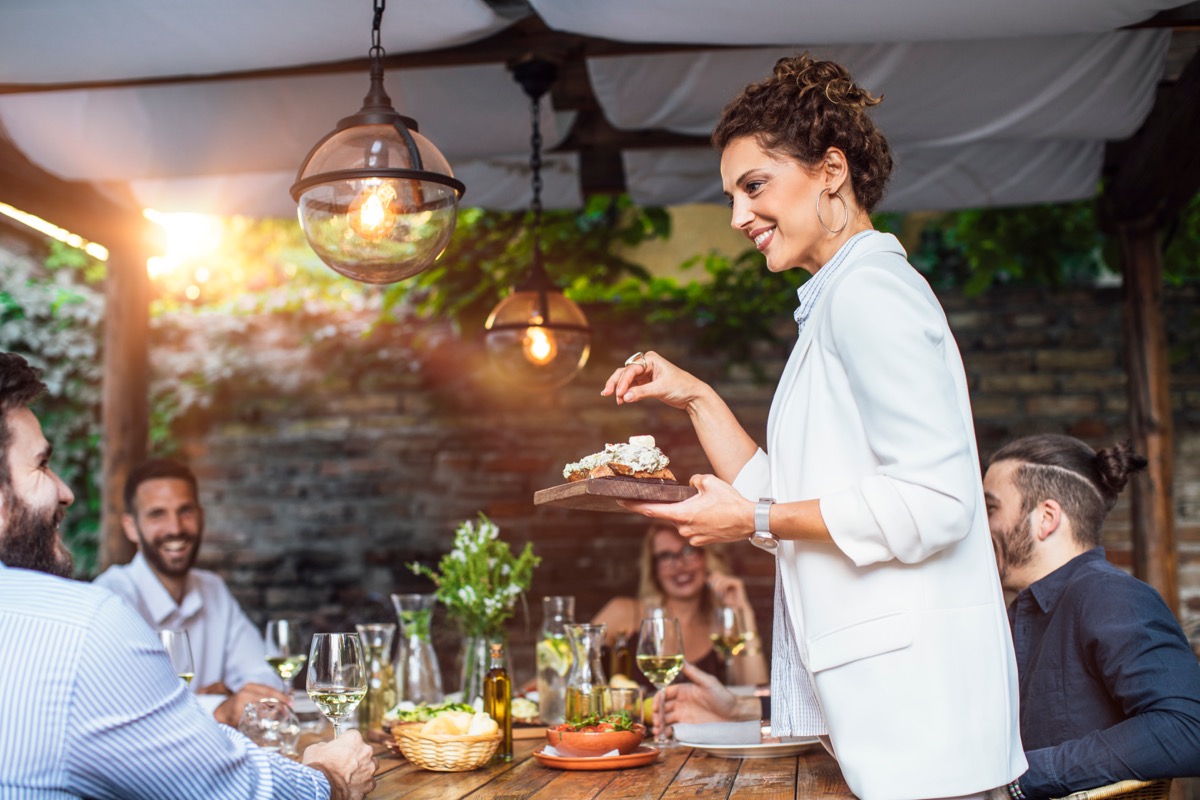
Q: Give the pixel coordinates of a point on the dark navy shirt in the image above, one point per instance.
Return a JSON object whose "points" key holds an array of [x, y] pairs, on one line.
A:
{"points": [[1110, 688]]}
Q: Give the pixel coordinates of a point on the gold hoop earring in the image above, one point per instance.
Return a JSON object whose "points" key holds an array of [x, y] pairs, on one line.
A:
{"points": [[845, 206]]}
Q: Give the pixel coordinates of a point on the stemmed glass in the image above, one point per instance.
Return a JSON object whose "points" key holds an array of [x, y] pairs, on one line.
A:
{"points": [[728, 636], [180, 651], [284, 652], [660, 657], [337, 675]]}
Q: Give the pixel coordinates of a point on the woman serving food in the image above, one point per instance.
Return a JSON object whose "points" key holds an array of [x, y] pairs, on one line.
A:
{"points": [[890, 632]]}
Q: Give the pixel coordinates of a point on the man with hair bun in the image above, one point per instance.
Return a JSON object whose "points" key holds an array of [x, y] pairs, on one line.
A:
{"points": [[1109, 687]]}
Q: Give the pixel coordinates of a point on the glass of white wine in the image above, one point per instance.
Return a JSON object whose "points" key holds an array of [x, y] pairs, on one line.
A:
{"points": [[284, 651], [660, 657], [180, 651], [728, 637], [337, 675]]}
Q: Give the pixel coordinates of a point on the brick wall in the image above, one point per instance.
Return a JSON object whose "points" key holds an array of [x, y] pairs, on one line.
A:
{"points": [[317, 497]]}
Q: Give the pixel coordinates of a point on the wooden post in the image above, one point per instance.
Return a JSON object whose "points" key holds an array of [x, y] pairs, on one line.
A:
{"points": [[1154, 555], [125, 403]]}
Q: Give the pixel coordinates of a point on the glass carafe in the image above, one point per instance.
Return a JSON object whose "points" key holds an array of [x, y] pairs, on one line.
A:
{"points": [[418, 676], [381, 675], [554, 658], [587, 687]]}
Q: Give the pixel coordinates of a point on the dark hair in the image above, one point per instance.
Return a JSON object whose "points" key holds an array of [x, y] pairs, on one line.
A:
{"points": [[20, 385], [805, 108], [1085, 482], [155, 469]]}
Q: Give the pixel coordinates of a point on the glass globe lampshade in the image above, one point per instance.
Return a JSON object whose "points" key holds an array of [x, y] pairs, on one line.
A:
{"points": [[537, 338], [377, 201]]}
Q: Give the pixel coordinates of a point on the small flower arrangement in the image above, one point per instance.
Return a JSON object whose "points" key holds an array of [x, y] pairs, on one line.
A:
{"points": [[479, 580]]}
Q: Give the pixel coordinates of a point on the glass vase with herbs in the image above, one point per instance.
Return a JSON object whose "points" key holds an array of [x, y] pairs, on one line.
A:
{"points": [[478, 582]]}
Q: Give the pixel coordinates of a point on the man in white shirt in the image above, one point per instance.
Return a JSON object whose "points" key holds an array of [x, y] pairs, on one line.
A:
{"points": [[164, 518]]}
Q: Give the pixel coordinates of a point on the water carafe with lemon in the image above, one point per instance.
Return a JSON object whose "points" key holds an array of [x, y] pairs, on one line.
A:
{"points": [[554, 658]]}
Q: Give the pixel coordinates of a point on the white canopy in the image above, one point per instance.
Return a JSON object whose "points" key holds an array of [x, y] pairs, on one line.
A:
{"points": [[993, 102]]}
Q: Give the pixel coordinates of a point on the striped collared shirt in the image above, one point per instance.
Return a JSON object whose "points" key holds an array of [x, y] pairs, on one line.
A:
{"points": [[810, 291], [90, 707]]}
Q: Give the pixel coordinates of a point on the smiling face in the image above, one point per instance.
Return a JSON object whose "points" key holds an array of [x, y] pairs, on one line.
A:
{"points": [[34, 501], [679, 567], [774, 200], [167, 524], [1011, 525]]}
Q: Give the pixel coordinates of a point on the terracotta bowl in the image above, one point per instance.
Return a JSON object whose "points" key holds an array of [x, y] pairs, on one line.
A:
{"points": [[584, 744]]}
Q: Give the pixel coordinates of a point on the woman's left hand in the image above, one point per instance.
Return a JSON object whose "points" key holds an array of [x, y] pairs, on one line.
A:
{"points": [[717, 513], [729, 591]]}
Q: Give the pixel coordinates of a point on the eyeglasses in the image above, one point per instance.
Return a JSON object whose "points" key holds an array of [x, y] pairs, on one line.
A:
{"points": [[669, 557]]}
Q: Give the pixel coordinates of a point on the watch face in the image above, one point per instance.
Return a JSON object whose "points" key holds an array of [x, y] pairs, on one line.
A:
{"points": [[765, 541]]}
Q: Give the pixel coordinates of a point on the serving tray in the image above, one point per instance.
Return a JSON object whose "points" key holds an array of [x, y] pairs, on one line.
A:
{"points": [[602, 494]]}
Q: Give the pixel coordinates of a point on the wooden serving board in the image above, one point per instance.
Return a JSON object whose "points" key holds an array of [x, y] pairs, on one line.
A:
{"points": [[602, 494]]}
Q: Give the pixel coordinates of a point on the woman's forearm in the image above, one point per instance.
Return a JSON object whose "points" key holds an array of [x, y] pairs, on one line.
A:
{"points": [[723, 438]]}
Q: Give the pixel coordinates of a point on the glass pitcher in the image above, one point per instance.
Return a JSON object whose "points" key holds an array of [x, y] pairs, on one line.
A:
{"points": [[381, 675], [418, 675], [554, 658], [587, 687]]}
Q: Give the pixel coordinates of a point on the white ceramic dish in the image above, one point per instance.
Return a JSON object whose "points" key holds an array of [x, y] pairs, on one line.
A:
{"points": [[792, 747]]}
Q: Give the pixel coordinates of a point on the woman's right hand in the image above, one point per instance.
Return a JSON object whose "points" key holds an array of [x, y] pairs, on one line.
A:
{"points": [[652, 376]]}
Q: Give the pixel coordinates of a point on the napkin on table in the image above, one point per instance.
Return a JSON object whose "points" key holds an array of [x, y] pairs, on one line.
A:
{"points": [[749, 732], [549, 750]]}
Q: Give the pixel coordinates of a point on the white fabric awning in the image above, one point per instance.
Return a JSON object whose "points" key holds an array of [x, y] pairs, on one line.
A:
{"points": [[989, 103]]}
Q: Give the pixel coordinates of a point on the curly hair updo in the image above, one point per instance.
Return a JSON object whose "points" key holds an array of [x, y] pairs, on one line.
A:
{"points": [[803, 109]]}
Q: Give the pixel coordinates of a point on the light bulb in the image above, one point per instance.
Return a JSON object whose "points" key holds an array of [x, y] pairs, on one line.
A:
{"points": [[372, 215], [539, 345]]}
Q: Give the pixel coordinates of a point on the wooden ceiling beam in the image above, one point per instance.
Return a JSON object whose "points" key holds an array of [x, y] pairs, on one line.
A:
{"points": [[528, 36], [1157, 172], [73, 205], [1184, 17]]}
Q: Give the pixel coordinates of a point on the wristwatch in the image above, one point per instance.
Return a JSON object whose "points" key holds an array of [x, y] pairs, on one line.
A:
{"points": [[763, 537]]}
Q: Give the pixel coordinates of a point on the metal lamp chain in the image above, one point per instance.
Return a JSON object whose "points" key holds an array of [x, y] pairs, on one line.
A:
{"points": [[376, 46], [535, 164]]}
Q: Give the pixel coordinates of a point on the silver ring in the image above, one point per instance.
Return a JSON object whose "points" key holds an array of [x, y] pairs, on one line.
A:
{"points": [[638, 358]]}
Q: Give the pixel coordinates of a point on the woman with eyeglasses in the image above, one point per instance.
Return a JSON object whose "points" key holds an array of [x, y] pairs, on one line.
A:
{"points": [[687, 583]]}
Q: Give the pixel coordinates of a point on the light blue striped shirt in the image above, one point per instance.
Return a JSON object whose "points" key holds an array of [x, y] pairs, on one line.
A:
{"points": [[810, 291], [90, 707]]}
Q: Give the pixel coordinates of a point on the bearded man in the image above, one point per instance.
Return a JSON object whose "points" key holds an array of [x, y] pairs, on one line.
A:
{"points": [[1109, 686], [89, 703], [164, 518]]}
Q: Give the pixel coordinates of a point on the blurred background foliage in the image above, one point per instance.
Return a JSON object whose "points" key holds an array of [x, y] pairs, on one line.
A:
{"points": [[236, 270]]}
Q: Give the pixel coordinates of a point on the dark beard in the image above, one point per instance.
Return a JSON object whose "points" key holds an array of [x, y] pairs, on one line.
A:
{"points": [[1014, 548], [30, 539]]}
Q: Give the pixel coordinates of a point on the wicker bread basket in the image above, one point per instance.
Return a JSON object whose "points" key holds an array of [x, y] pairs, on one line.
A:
{"points": [[442, 752]]}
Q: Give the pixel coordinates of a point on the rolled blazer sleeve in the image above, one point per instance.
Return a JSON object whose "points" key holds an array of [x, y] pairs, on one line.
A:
{"points": [[754, 479], [921, 497]]}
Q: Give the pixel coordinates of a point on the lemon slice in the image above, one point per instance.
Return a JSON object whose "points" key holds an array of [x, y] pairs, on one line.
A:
{"points": [[554, 654]]}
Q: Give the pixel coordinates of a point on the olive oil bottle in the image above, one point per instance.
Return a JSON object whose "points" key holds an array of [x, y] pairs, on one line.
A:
{"points": [[497, 700]]}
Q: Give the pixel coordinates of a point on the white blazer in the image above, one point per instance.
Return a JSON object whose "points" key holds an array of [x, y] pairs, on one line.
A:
{"points": [[900, 621]]}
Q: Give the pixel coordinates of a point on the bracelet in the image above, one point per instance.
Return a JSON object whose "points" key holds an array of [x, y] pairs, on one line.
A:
{"points": [[1015, 791]]}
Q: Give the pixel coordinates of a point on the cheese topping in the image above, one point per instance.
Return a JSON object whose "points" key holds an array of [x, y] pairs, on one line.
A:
{"points": [[639, 454]]}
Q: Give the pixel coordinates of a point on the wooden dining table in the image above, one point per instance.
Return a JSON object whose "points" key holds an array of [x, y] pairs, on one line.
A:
{"points": [[679, 772]]}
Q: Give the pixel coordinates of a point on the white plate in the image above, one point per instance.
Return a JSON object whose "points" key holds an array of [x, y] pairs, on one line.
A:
{"points": [[793, 746]]}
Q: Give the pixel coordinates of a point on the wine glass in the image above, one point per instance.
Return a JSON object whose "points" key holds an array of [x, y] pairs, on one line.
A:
{"points": [[337, 675], [728, 636], [180, 651], [284, 652], [660, 657]]}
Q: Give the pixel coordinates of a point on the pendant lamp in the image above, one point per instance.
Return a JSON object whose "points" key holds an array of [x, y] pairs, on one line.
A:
{"points": [[536, 337], [376, 199]]}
